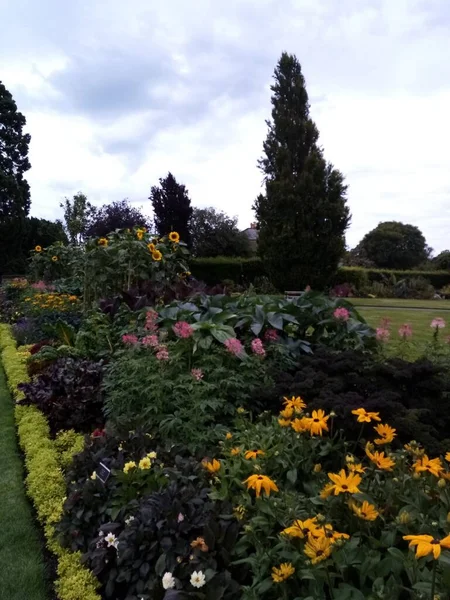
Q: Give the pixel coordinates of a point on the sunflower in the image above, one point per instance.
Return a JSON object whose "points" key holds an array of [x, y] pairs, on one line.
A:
{"points": [[344, 483], [366, 511], [212, 467], [38, 249], [300, 425], [174, 237], [283, 572], [433, 465], [295, 403], [318, 549], [55, 259], [256, 482], [151, 247], [302, 529], [427, 544], [253, 454], [364, 416], [139, 234], [156, 255], [382, 462], [318, 422], [386, 433], [102, 242]]}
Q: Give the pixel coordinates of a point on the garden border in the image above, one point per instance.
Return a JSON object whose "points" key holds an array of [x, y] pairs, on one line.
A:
{"points": [[45, 481]]}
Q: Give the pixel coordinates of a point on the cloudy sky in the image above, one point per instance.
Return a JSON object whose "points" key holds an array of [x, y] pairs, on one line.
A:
{"points": [[117, 93]]}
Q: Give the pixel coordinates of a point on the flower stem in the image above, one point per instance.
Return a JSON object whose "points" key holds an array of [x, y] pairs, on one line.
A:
{"points": [[359, 437], [329, 583], [433, 581]]}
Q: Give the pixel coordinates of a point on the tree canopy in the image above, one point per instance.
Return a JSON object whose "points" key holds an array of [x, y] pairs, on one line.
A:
{"points": [[172, 207], [77, 215], [117, 215], [214, 233], [303, 214]]}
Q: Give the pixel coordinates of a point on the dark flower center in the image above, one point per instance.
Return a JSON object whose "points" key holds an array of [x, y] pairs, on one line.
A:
{"points": [[345, 487], [319, 552], [434, 542], [316, 420]]}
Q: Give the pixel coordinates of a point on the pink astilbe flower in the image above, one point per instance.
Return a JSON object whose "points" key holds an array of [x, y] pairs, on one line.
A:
{"points": [[183, 329], [437, 323], [271, 335], [197, 374], [383, 334], [150, 321], [257, 347], [162, 353], [405, 331], [341, 314], [40, 285], [234, 346], [150, 340], [129, 339]]}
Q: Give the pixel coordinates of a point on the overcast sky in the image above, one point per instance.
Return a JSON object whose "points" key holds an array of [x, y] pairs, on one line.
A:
{"points": [[116, 93]]}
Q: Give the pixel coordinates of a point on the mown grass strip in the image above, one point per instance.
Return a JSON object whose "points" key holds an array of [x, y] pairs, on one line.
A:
{"points": [[21, 561]]}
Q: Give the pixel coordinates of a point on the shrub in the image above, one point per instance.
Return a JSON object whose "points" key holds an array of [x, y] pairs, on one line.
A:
{"points": [[68, 394]]}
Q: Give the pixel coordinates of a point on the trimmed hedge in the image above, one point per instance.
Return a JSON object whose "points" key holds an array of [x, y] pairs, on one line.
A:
{"points": [[244, 270], [45, 480]]}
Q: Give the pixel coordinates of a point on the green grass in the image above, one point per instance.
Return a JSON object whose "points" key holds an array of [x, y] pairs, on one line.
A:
{"points": [[399, 303], [21, 562]]}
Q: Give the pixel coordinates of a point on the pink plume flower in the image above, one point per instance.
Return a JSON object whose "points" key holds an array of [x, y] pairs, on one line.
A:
{"points": [[162, 353], [234, 346], [150, 340], [271, 335], [130, 339], [437, 323], [383, 334], [197, 374], [341, 314], [150, 321], [405, 331], [40, 285], [182, 329], [257, 347]]}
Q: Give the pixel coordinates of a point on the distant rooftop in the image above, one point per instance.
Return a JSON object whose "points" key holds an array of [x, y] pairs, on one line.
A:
{"points": [[251, 232]]}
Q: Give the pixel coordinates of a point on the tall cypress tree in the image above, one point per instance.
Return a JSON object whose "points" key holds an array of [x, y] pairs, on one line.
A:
{"points": [[303, 214], [14, 189], [172, 207]]}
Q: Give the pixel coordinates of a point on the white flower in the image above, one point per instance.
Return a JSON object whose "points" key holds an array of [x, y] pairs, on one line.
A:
{"points": [[94, 475], [198, 579], [128, 521], [180, 517], [111, 540], [100, 533], [168, 581]]}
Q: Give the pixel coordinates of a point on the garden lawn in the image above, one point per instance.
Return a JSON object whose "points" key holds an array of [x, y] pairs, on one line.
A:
{"points": [[21, 562], [400, 303]]}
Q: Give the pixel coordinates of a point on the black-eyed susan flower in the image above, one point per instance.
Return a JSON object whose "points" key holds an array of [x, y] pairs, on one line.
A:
{"points": [[386, 433], [284, 422], [326, 491], [253, 454], [287, 413], [235, 451], [447, 456], [383, 462], [431, 465], [283, 572], [296, 403], [318, 549], [211, 466], [366, 511], [364, 416], [301, 425], [427, 544], [318, 422], [261, 482], [174, 237], [302, 529], [229, 436], [356, 468], [345, 483]]}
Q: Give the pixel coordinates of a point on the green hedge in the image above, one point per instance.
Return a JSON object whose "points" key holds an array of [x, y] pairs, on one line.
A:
{"points": [[245, 270]]}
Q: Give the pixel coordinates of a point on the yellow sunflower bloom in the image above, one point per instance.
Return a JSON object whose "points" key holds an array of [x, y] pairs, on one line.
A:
{"points": [[102, 242], [174, 237], [427, 544], [364, 416], [212, 467], [54, 258], [345, 483], [366, 511], [302, 529], [318, 422], [139, 234], [433, 465], [38, 249], [253, 454], [318, 549], [258, 482], [386, 433], [283, 572], [151, 247], [156, 255]]}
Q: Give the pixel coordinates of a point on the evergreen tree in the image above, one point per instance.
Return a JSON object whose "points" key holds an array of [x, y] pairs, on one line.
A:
{"points": [[172, 207], [14, 189], [303, 214]]}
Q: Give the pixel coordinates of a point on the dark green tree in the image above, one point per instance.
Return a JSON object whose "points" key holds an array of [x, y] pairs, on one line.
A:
{"points": [[303, 214], [14, 189], [394, 245], [117, 215], [213, 233], [172, 207], [442, 260]]}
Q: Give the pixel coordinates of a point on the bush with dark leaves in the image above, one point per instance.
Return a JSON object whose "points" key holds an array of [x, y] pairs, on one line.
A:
{"points": [[69, 394]]}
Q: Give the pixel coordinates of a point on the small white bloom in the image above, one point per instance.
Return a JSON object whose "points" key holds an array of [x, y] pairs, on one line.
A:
{"points": [[168, 581], [128, 521], [111, 539], [198, 579], [100, 533], [180, 517]]}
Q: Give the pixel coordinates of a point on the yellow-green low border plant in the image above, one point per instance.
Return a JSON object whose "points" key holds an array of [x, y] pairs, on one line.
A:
{"points": [[45, 481]]}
